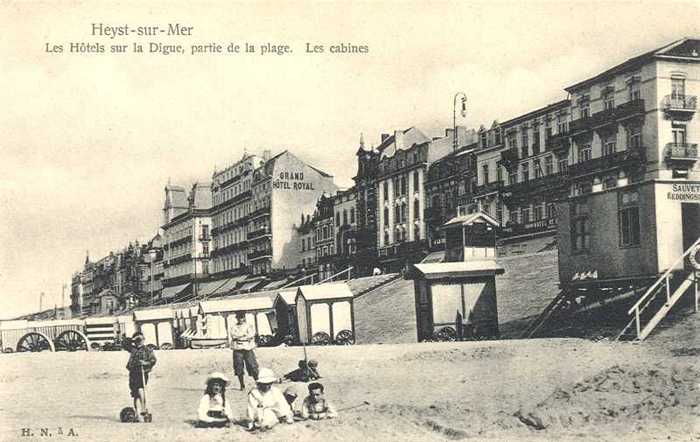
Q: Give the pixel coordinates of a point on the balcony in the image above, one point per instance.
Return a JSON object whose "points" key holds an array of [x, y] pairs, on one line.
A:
{"points": [[531, 227], [631, 109], [680, 106], [581, 125], [488, 188], [205, 237], [559, 144], [433, 214], [551, 184], [681, 153], [509, 158], [631, 158], [257, 254], [258, 233], [260, 212]]}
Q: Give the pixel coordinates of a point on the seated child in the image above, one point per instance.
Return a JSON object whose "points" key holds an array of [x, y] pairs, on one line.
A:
{"points": [[267, 406], [315, 406], [290, 394], [305, 373], [213, 409]]}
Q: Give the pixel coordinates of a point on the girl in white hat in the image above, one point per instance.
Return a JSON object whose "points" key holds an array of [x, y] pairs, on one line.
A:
{"points": [[213, 410], [267, 405]]}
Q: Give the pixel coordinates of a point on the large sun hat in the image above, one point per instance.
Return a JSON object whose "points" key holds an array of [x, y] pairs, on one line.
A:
{"points": [[291, 391], [217, 376], [266, 376]]}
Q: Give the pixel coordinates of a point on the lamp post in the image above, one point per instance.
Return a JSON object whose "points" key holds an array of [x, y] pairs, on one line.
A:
{"points": [[463, 112]]}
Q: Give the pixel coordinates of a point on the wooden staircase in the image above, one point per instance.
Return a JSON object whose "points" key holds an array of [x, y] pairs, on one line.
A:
{"points": [[658, 300], [552, 308]]}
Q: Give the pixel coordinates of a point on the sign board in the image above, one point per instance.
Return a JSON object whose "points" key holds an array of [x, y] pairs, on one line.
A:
{"points": [[689, 192]]}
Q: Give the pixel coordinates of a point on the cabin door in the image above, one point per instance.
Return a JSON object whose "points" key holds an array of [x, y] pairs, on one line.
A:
{"points": [[690, 214]]}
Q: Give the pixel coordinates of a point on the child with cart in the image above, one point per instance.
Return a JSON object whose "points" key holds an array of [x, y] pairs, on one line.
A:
{"points": [[141, 362]]}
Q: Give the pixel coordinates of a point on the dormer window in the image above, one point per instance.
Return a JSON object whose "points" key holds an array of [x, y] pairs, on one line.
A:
{"points": [[608, 97]]}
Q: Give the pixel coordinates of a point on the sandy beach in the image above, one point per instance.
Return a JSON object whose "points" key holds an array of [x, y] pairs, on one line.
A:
{"points": [[546, 389]]}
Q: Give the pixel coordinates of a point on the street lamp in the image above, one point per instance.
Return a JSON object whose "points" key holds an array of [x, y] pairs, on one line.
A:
{"points": [[463, 112]]}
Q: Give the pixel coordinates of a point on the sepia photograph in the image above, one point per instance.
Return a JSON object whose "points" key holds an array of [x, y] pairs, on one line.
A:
{"points": [[350, 221]]}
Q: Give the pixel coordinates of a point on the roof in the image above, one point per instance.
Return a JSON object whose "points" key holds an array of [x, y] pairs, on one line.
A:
{"points": [[153, 314], [324, 174], [100, 320], [685, 47], [172, 292], [275, 284], [456, 269], [434, 257], [236, 304], [333, 290], [200, 196], [287, 296], [532, 114], [469, 219]]}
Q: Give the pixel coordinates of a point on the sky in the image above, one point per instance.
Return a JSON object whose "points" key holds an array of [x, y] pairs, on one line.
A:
{"points": [[90, 140]]}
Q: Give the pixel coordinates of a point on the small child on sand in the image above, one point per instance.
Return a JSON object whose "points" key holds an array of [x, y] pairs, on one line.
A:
{"points": [[213, 409], [267, 406], [307, 371], [315, 406]]}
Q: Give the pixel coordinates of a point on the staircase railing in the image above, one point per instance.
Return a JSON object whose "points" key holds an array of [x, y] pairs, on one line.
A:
{"points": [[652, 291], [300, 280], [552, 307], [332, 277]]}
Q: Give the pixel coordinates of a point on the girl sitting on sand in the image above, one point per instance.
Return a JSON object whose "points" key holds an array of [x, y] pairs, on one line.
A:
{"points": [[213, 410]]}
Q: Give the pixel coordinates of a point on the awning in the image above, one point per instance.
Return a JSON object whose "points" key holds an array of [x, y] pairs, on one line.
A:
{"points": [[434, 257], [275, 284], [250, 285], [174, 291], [208, 288], [333, 290]]}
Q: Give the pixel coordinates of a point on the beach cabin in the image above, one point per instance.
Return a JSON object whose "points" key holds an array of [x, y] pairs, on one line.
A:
{"points": [[325, 313], [156, 326], [101, 330], [218, 314], [285, 313], [456, 299]]}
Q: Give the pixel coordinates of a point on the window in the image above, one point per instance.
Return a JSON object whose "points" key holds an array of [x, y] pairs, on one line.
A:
{"points": [[482, 136], [404, 211], [678, 88], [536, 141], [416, 209], [205, 249], [609, 145], [352, 215], [610, 182], [325, 232], [303, 244], [386, 190], [525, 213], [634, 137], [397, 214], [513, 177], [580, 228], [563, 166], [525, 170], [525, 141], [539, 212], [485, 173], [584, 107], [562, 124], [386, 216], [416, 186], [499, 211], [498, 135], [628, 207], [499, 174], [538, 169], [548, 165], [386, 238], [514, 216], [396, 187], [337, 219], [551, 211], [679, 136], [404, 190], [584, 153], [345, 217], [634, 92], [609, 98]]}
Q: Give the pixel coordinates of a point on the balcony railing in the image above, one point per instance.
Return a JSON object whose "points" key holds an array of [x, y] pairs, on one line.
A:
{"points": [[258, 233], [488, 188], [681, 152], [551, 181], [509, 157], [614, 160], [259, 254], [680, 103], [402, 249], [582, 124], [530, 227], [259, 212], [205, 237], [631, 108]]}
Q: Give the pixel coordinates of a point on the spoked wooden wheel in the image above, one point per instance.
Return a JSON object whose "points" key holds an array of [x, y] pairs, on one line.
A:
{"points": [[71, 340], [34, 342], [345, 337]]}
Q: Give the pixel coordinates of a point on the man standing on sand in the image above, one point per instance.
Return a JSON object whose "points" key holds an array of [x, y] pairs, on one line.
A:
{"points": [[242, 341]]}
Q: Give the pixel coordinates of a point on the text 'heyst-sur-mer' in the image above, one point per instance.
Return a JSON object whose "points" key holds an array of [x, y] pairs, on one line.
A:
{"points": [[171, 29]]}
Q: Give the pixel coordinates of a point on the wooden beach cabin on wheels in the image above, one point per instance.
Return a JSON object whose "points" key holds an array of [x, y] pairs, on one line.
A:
{"points": [[325, 314]]}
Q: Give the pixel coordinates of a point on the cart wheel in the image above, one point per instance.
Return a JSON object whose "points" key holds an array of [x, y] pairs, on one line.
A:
{"points": [[264, 340], [34, 342], [166, 346], [321, 338], [95, 346], [446, 334], [345, 337], [8, 350], [71, 340], [152, 347]]}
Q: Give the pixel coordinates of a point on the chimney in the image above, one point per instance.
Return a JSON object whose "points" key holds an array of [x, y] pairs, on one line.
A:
{"points": [[384, 137], [398, 139], [266, 155]]}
